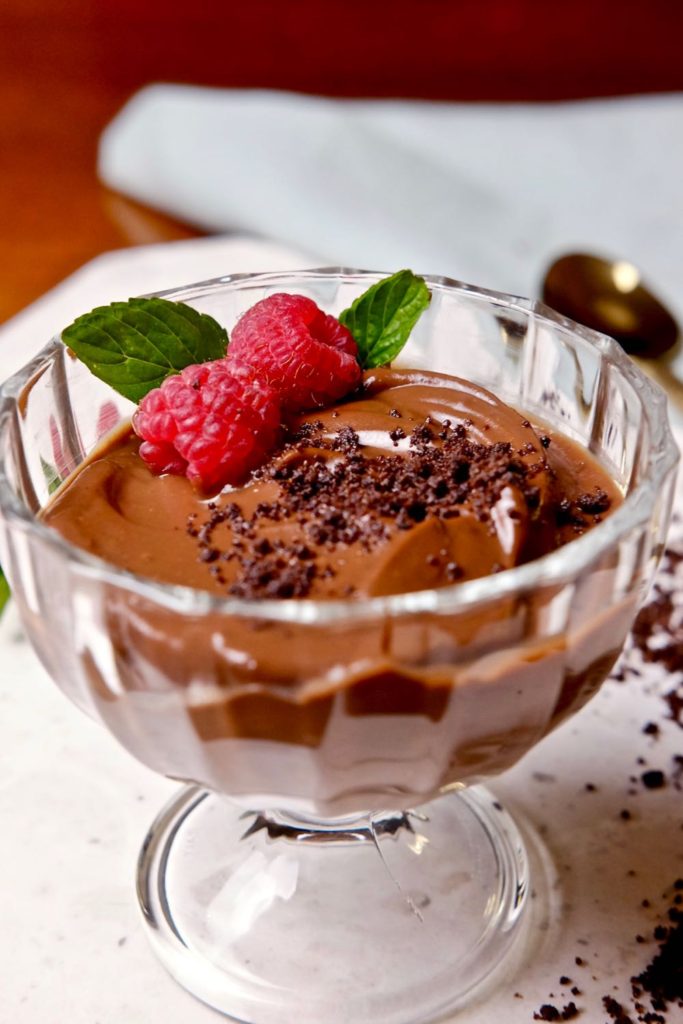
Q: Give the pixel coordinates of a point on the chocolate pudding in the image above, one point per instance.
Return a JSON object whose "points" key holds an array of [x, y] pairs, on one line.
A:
{"points": [[416, 481]]}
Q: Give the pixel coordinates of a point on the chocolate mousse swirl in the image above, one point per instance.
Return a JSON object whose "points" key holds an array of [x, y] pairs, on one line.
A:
{"points": [[416, 481]]}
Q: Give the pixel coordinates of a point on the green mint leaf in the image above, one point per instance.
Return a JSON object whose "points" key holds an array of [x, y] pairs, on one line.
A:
{"points": [[382, 318], [52, 477], [133, 346], [4, 591]]}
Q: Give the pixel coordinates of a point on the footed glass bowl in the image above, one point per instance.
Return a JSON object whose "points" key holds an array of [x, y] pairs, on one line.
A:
{"points": [[334, 856]]}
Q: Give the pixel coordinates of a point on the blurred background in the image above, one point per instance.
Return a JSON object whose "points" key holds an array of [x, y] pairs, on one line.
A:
{"points": [[68, 66]]}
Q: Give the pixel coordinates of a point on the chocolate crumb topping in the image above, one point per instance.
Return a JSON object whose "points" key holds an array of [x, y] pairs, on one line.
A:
{"points": [[577, 513], [353, 498], [347, 440], [594, 504]]}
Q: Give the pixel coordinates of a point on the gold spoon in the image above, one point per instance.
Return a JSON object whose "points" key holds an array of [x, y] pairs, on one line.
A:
{"points": [[610, 296]]}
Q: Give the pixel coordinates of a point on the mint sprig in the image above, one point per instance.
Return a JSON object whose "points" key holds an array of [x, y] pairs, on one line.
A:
{"points": [[52, 478], [4, 591], [382, 318], [133, 346]]}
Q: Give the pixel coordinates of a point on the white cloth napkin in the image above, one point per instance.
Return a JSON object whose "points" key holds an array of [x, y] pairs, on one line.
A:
{"points": [[487, 193]]}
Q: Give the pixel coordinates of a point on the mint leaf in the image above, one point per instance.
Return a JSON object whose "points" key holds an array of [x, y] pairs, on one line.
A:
{"points": [[4, 591], [382, 318], [133, 346], [52, 477]]}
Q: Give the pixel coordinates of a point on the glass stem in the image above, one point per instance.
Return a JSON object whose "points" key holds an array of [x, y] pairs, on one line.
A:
{"points": [[370, 828]]}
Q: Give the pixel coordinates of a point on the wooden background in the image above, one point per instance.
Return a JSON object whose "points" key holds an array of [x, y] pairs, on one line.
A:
{"points": [[67, 66]]}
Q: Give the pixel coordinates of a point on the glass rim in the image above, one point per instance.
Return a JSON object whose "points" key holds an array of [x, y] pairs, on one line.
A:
{"points": [[557, 566]]}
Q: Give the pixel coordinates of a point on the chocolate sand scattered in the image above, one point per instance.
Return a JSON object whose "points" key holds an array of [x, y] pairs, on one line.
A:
{"points": [[661, 983], [656, 993], [657, 637], [550, 1012]]}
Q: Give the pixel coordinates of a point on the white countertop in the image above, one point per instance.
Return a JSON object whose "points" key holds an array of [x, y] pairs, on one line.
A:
{"points": [[75, 806]]}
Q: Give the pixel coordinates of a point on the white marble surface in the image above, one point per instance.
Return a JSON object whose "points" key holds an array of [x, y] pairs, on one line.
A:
{"points": [[74, 806]]}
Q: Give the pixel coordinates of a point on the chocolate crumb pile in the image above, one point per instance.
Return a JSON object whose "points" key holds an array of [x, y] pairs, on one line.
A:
{"points": [[661, 983], [550, 1012], [657, 636], [441, 471], [656, 994], [336, 495]]}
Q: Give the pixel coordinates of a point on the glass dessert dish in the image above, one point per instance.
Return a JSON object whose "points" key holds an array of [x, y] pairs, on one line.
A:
{"points": [[334, 856]]}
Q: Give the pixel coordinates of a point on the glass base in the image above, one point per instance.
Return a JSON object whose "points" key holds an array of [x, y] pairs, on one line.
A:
{"points": [[398, 918]]}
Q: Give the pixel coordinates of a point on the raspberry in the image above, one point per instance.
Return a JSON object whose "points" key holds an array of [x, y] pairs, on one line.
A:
{"points": [[304, 353], [213, 422]]}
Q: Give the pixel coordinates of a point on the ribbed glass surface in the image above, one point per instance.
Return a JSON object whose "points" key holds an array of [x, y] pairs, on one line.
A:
{"points": [[272, 702]]}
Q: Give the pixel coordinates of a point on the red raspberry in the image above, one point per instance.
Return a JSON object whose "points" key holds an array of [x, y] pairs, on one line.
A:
{"points": [[304, 353], [213, 422]]}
